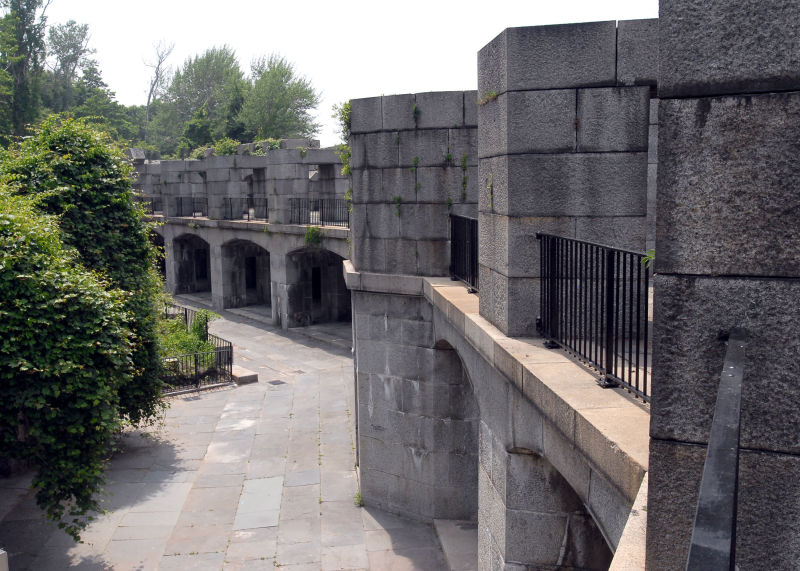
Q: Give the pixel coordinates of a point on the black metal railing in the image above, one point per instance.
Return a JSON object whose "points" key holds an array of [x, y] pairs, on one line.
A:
{"points": [[246, 208], [464, 250], [714, 532], [171, 310], [191, 206], [196, 370], [319, 211], [595, 303], [151, 204]]}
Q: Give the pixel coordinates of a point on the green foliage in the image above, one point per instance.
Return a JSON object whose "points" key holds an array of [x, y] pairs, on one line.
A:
{"points": [[341, 112], [649, 258], [398, 200], [449, 203], [77, 174], [226, 146], [487, 97], [176, 339], [345, 153], [357, 500], [65, 351], [313, 236], [415, 164], [348, 198], [280, 101]]}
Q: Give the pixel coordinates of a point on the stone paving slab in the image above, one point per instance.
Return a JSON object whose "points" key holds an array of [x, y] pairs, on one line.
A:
{"points": [[258, 476]]}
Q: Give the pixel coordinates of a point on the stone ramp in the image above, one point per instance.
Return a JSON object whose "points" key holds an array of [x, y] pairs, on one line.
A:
{"points": [[459, 540]]}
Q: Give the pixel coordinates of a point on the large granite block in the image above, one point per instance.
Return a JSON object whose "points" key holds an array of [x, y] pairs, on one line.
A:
{"points": [[549, 57], [424, 221], [401, 256], [578, 184], [463, 145], [367, 185], [399, 182], [398, 112], [369, 255], [375, 150], [470, 108], [528, 122], [710, 47], [690, 312], [637, 52], [382, 221], [433, 257], [727, 185], [510, 304], [426, 148], [626, 232], [613, 119], [366, 115], [438, 184], [440, 109]]}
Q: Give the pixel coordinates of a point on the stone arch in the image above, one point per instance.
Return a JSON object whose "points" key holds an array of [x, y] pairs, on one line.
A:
{"points": [[315, 288], [245, 274], [192, 259]]}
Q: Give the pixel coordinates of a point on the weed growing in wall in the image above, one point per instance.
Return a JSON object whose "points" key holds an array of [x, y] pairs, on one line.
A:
{"points": [[398, 200], [313, 237]]}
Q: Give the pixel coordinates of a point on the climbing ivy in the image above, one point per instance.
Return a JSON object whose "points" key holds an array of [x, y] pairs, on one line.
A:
{"points": [[76, 173], [65, 352]]}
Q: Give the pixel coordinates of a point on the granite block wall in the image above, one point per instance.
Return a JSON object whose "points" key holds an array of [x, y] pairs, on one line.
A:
{"points": [[563, 138]]}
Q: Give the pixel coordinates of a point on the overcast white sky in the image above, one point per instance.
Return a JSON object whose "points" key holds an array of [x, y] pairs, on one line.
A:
{"points": [[348, 49]]}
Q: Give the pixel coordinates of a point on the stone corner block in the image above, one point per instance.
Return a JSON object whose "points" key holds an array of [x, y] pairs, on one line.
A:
{"points": [[637, 52], [366, 115]]}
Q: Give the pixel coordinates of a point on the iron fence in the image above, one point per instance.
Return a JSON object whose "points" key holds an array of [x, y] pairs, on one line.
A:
{"points": [[151, 204], [191, 206], [171, 310], [464, 250], [595, 303], [196, 370], [319, 211], [246, 208]]}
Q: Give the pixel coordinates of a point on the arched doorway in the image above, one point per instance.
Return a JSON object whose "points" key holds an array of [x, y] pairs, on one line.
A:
{"points": [[316, 289], [192, 264], [245, 274]]}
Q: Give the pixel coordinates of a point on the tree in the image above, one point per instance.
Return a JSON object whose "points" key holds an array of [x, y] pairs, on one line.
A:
{"points": [[160, 78], [280, 102], [65, 349], [213, 82], [23, 49], [68, 46], [81, 177]]}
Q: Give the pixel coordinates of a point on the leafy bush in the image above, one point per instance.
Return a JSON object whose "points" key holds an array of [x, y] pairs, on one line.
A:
{"points": [[225, 146], [176, 339], [77, 174], [65, 351], [313, 236]]}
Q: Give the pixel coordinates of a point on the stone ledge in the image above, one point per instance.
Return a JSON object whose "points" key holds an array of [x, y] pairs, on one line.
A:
{"points": [[244, 376], [381, 283]]}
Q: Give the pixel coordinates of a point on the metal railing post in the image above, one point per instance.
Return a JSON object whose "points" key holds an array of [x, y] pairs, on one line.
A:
{"points": [[610, 318], [552, 318]]}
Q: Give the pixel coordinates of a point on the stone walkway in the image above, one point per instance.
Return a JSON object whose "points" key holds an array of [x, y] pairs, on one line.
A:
{"points": [[251, 477]]}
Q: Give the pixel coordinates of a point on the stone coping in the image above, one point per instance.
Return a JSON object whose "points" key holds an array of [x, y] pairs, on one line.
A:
{"points": [[608, 426], [336, 232]]}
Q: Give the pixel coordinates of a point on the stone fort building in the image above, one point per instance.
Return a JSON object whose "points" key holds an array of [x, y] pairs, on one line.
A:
{"points": [[678, 133]]}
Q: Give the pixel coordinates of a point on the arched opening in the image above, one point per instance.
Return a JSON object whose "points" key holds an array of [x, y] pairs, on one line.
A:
{"points": [[245, 274], [161, 263], [316, 290], [192, 264]]}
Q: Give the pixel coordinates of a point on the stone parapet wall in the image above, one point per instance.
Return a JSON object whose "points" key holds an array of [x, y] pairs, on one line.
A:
{"points": [[414, 162], [564, 130]]}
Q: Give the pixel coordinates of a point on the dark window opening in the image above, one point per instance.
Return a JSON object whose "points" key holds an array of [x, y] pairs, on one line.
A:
{"points": [[250, 272], [316, 284]]}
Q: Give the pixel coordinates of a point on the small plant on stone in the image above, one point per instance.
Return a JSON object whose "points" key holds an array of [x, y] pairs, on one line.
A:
{"points": [[649, 258], [448, 158], [415, 112], [449, 204], [313, 237], [415, 164], [398, 200], [303, 152], [357, 500], [487, 97]]}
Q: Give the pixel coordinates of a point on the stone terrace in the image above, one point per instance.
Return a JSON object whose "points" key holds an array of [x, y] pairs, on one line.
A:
{"points": [[250, 477]]}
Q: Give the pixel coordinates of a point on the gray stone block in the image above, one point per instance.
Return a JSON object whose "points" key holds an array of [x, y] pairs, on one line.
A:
{"points": [[398, 112], [440, 109], [463, 143], [637, 52], [366, 115], [628, 233], [470, 108], [367, 185], [674, 476], [582, 184], [718, 47], [528, 122], [382, 221], [375, 150], [548, 531], [369, 255], [424, 222], [401, 256], [549, 57], [652, 145], [727, 185], [654, 111], [438, 184], [400, 182], [427, 148], [688, 357], [433, 257], [613, 119]]}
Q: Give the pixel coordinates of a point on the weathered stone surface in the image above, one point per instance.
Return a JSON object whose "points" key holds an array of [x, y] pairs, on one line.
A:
{"points": [[423, 148], [727, 185], [626, 232], [637, 52], [718, 47], [366, 115], [688, 357], [528, 122], [375, 150], [463, 143], [549, 57], [440, 109], [613, 119], [580, 184], [367, 185], [398, 112], [470, 108]]}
